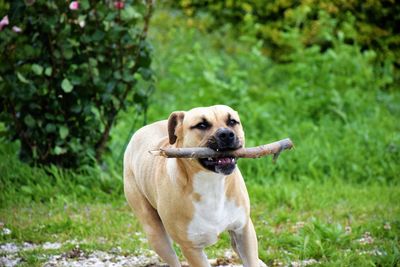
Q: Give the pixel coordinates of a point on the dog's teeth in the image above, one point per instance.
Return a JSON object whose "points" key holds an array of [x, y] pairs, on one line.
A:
{"points": [[233, 160], [219, 161], [217, 149], [210, 158]]}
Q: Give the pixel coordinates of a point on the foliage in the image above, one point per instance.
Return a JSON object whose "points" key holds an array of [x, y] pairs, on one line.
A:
{"points": [[67, 74], [333, 105], [370, 24], [338, 107]]}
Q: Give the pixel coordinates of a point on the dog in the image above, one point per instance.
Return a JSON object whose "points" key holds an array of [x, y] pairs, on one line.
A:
{"points": [[190, 201]]}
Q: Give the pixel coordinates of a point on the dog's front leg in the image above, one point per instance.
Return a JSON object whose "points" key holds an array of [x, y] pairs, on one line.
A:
{"points": [[244, 242], [195, 257]]}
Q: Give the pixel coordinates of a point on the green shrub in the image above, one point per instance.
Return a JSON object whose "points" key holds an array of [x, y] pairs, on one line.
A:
{"points": [[339, 108], [370, 24], [69, 71]]}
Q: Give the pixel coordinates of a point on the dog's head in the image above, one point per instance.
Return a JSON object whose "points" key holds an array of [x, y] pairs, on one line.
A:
{"points": [[217, 127]]}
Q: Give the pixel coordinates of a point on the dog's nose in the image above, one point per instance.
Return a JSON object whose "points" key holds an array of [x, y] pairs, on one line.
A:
{"points": [[227, 136]]}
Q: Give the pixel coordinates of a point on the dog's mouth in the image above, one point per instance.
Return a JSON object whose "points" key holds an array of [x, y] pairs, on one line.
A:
{"points": [[224, 165], [218, 161]]}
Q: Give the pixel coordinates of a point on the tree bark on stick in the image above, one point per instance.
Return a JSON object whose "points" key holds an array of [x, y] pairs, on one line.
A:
{"points": [[274, 148]]}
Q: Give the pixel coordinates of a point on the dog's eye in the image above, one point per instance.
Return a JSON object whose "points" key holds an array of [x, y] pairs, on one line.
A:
{"points": [[202, 126], [232, 122]]}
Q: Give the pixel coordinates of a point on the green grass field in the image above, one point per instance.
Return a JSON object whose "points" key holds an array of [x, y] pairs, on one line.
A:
{"points": [[328, 222], [334, 199]]}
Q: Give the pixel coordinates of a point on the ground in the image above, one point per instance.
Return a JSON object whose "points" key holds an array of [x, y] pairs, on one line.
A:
{"points": [[297, 224]]}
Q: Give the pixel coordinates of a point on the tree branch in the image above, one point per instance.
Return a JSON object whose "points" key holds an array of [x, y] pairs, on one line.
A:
{"points": [[274, 148]]}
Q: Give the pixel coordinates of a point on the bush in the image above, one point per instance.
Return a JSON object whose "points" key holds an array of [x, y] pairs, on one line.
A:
{"points": [[370, 24], [67, 69], [339, 108]]}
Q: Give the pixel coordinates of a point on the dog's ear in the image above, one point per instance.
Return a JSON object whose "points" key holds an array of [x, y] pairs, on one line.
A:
{"points": [[174, 120]]}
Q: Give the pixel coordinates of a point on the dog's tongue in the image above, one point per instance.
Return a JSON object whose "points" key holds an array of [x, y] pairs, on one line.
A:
{"points": [[225, 161]]}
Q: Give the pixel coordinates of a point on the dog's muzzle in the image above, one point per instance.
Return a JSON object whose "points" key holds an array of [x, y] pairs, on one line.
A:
{"points": [[223, 140]]}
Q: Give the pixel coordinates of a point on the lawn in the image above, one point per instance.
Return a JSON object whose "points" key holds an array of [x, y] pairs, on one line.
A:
{"points": [[332, 201], [331, 223]]}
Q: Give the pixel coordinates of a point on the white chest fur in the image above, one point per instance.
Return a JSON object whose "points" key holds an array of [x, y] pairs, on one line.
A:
{"points": [[213, 213]]}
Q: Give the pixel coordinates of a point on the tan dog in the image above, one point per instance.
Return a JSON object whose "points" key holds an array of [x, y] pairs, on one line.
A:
{"points": [[192, 201]]}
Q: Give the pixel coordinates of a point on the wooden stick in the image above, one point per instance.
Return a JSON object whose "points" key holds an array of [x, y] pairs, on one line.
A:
{"points": [[204, 152]]}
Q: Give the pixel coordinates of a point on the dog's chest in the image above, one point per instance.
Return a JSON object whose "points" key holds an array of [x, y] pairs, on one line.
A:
{"points": [[213, 212]]}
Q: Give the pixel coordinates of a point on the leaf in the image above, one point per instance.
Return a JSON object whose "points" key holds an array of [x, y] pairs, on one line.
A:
{"points": [[98, 35], [63, 131], [29, 121], [92, 62], [128, 77], [117, 75], [50, 127], [48, 71], [66, 85], [68, 53], [59, 150], [84, 4], [129, 13], [145, 73], [76, 108], [37, 69], [22, 78]]}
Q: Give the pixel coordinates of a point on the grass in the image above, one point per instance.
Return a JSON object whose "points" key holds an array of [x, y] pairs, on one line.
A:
{"points": [[318, 202], [294, 221]]}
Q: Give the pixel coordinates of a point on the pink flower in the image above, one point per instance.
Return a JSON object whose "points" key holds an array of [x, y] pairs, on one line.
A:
{"points": [[16, 29], [74, 5], [119, 4], [4, 22]]}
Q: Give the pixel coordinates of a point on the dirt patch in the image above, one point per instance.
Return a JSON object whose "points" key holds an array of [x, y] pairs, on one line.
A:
{"points": [[77, 257]]}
